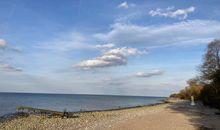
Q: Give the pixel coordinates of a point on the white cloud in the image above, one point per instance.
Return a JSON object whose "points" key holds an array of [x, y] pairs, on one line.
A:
{"points": [[7, 48], [2, 43], [172, 13], [5, 56], [122, 34], [149, 74], [125, 5], [114, 57], [181, 33], [9, 68], [104, 46], [134, 15], [74, 40]]}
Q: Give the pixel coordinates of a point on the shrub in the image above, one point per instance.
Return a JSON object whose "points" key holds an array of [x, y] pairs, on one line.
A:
{"points": [[210, 95], [194, 88]]}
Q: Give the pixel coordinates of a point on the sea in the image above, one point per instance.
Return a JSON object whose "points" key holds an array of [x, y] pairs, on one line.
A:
{"points": [[71, 102]]}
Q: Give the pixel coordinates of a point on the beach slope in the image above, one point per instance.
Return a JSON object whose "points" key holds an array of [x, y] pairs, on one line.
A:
{"points": [[178, 115]]}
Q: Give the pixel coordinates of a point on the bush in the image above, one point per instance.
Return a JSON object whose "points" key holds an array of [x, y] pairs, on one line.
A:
{"points": [[194, 88], [210, 95]]}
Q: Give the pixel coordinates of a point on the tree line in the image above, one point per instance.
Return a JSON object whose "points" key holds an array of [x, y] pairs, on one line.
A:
{"points": [[206, 87]]}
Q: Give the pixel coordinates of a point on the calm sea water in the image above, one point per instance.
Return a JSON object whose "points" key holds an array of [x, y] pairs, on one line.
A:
{"points": [[71, 102]]}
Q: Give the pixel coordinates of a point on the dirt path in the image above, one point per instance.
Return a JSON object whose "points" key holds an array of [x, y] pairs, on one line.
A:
{"points": [[177, 116], [161, 119]]}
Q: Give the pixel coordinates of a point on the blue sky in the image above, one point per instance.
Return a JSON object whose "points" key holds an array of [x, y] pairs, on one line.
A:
{"points": [[131, 47]]}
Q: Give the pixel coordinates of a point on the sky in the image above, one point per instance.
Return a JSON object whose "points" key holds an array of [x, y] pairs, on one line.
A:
{"points": [[116, 47]]}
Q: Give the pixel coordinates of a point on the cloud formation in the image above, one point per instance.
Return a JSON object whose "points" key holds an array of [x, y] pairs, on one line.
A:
{"points": [[189, 32], [74, 40], [9, 68], [2, 43], [7, 48], [113, 57], [5, 57], [181, 33], [125, 5], [172, 13], [104, 46], [67, 42], [149, 74]]}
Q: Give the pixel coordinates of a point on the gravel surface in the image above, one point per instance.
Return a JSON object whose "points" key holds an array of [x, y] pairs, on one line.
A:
{"points": [[169, 116]]}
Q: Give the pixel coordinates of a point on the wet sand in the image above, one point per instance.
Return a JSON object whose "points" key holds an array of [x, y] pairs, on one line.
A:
{"points": [[178, 115]]}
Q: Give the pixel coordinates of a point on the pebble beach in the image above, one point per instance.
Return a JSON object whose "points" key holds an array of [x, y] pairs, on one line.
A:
{"points": [[177, 115]]}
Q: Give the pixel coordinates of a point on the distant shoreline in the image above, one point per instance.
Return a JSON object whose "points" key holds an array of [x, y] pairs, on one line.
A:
{"points": [[89, 94]]}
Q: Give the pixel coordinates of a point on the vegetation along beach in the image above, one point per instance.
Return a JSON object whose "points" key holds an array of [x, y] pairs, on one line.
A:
{"points": [[109, 64]]}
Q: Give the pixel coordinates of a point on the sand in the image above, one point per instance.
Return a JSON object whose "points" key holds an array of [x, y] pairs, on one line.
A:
{"points": [[178, 115]]}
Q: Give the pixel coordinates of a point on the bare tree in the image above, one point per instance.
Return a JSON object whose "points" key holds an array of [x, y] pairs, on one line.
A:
{"points": [[211, 60]]}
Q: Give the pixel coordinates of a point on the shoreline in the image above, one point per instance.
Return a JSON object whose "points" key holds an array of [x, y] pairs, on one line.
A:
{"points": [[41, 112], [170, 115], [84, 117]]}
